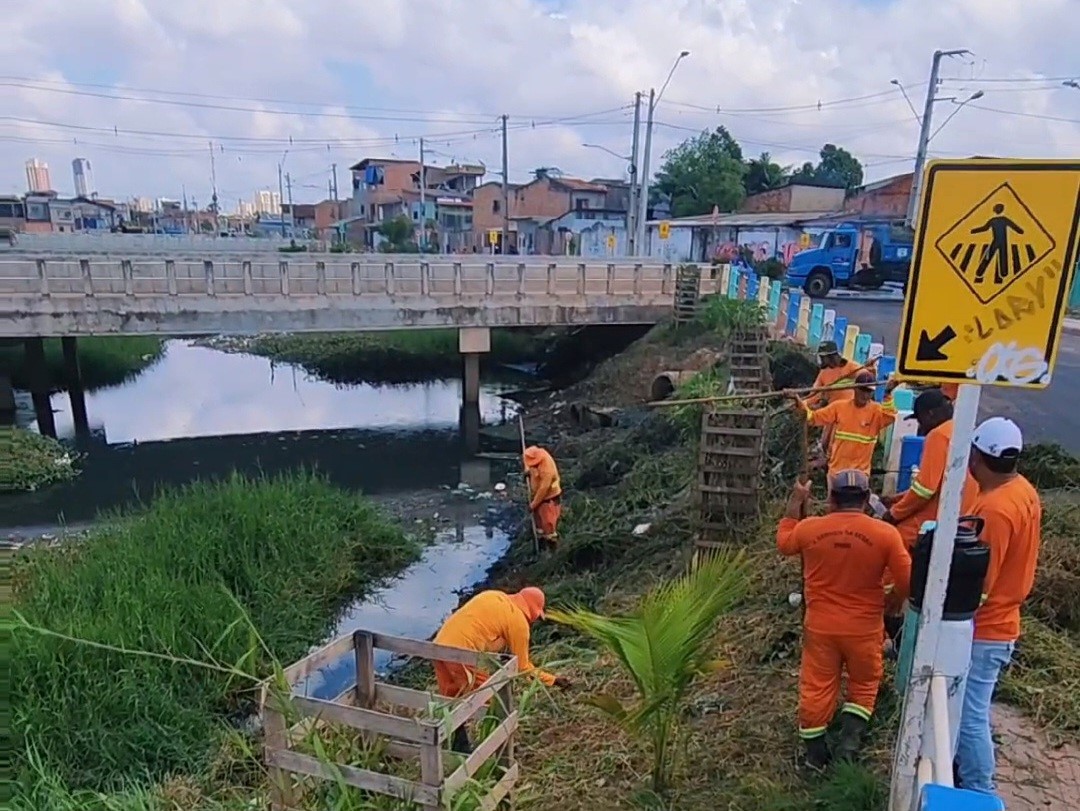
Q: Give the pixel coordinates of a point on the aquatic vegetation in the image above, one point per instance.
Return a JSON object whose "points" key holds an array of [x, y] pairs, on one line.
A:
{"points": [[104, 361], [29, 461]]}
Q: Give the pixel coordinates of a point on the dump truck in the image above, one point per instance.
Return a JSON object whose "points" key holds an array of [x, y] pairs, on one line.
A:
{"points": [[856, 255]]}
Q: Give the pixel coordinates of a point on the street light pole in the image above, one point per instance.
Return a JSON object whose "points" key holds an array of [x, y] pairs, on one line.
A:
{"points": [[643, 183], [924, 132], [632, 208]]}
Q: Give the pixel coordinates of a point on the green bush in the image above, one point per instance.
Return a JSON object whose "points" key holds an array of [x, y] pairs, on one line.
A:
{"points": [[29, 461], [290, 550]]}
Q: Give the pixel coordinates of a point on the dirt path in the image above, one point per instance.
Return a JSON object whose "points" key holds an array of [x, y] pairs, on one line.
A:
{"points": [[1032, 773]]}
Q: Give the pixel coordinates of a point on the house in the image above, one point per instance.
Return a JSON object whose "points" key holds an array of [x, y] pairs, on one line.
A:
{"points": [[301, 215], [12, 214], [385, 188], [723, 237], [886, 198], [534, 205], [796, 195]]}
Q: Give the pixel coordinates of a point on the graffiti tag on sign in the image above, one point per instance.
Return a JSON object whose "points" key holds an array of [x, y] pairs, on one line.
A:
{"points": [[1012, 364]]}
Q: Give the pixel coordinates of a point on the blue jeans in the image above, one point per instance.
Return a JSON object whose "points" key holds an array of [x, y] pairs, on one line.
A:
{"points": [[975, 748]]}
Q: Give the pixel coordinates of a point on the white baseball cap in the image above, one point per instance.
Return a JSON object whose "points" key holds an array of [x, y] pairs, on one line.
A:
{"points": [[999, 437]]}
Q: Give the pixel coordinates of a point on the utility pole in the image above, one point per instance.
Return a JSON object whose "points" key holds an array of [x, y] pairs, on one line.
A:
{"points": [[423, 200], [333, 173], [924, 133], [643, 183], [292, 216], [632, 213], [281, 199], [213, 190], [505, 193]]}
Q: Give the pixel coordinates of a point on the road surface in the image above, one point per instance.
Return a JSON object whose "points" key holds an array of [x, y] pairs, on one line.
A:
{"points": [[1051, 415]]}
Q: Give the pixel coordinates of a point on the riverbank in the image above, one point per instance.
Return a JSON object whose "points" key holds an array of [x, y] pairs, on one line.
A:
{"points": [[103, 361], [235, 576], [30, 461], [397, 356]]}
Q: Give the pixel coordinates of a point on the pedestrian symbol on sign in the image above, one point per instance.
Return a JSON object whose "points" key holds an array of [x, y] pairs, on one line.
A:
{"points": [[995, 243]]}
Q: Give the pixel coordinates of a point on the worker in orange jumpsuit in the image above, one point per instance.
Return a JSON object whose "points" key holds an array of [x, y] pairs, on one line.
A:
{"points": [[846, 554], [856, 422], [835, 370], [545, 493], [491, 622]]}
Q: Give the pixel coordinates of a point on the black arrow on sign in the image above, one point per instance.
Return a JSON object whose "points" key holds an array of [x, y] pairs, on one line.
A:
{"points": [[930, 348]]}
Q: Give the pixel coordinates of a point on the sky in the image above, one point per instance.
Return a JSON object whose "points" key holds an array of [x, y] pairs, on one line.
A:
{"points": [[147, 89]]}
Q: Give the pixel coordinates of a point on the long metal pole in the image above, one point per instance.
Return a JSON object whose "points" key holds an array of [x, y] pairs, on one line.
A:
{"points": [[643, 184], [292, 212], [423, 200], [505, 193], [632, 212], [924, 140], [281, 199]]}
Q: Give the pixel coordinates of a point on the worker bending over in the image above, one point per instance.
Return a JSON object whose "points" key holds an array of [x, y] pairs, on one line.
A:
{"points": [[846, 554], [545, 493], [491, 622], [855, 422], [1012, 515]]}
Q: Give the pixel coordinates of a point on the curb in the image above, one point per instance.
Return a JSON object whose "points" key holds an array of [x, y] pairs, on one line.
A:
{"points": [[1071, 326]]}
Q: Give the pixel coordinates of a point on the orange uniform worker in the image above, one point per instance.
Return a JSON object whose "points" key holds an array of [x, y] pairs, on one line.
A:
{"points": [[846, 554], [491, 622], [856, 424], [835, 370], [1012, 511], [545, 493]]}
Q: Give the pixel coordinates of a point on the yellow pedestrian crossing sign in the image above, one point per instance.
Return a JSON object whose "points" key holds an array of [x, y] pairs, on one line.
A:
{"points": [[664, 229], [994, 257]]}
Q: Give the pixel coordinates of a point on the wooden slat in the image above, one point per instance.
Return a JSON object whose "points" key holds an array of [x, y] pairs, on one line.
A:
{"points": [[735, 491], [475, 702], [431, 651], [364, 652], [407, 729], [726, 431], [317, 660], [709, 452], [404, 697], [500, 790], [481, 754], [393, 748], [363, 779]]}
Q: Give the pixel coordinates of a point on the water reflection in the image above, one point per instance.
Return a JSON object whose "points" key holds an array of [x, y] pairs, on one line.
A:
{"points": [[415, 604], [201, 413]]}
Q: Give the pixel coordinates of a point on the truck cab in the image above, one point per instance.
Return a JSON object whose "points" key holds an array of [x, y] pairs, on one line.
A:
{"points": [[853, 255]]}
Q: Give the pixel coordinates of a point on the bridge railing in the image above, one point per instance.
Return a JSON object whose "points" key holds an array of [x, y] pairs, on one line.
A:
{"points": [[331, 275]]}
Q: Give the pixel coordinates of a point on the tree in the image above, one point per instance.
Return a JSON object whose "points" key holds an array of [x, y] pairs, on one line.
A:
{"points": [[664, 646], [702, 172], [398, 234], [763, 174], [836, 167]]}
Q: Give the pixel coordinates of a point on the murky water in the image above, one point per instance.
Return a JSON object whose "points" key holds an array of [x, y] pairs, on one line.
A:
{"points": [[201, 413]]}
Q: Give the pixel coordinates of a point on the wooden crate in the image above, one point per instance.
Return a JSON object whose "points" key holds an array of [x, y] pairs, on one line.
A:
{"points": [[687, 293], [749, 362], [407, 725], [729, 469]]}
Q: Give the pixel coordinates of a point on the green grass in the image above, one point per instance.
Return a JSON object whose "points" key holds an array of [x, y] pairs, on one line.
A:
{"points": [[29, 461], [104, 361], [394, 356], [290, 550]]}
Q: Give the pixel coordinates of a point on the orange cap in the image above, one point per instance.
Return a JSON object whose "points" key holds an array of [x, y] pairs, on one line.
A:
{"points": [[531, 601], [533, 456]]}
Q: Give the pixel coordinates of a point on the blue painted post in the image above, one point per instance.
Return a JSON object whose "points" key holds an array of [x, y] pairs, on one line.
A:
{"points": [[817, 321], [886, 365], [793, 311], [862, 347], [752, 287], [774, 301], [840, 335], [733, 283]]}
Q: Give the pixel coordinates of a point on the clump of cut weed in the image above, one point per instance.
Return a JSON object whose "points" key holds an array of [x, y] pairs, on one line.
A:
{"points": [[1047, 465], [30, 461], [728, 316], [713, 383], [792, 366], [1055, 598], [290, 549]]}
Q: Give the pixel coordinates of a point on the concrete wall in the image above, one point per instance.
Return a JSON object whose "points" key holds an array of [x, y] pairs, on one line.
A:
{"points": [[101, 243], [816, 198]]}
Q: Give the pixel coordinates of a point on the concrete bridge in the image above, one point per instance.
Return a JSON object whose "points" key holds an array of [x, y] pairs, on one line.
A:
{"points": [[49, 295]]}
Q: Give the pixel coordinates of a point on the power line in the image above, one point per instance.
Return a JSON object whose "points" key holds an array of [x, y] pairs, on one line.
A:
{"points": [[793, 107], [1002, 79], [1021, 114]]}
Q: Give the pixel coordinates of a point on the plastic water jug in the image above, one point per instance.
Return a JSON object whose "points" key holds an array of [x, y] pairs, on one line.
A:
{"points": [[970, 561]]}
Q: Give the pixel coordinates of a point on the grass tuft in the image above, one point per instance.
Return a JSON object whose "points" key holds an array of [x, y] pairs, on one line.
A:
{"points": [[29, 461]]}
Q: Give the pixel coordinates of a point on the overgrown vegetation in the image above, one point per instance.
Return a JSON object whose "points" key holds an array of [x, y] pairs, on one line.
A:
{"points": [[393, 356], [30, 461], [104, 361], [171, 580]]}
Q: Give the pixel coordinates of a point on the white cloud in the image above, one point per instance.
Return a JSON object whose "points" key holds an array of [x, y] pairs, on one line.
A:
{"points": [[425, 67]]}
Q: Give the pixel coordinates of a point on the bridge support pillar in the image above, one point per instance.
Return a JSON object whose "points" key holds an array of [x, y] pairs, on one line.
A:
{"points": [[76, 392], [7, 401], [472, 343], [38, 374]]}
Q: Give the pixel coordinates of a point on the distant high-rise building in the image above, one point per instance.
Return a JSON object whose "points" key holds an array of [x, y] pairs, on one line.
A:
{"points": [[144, 205], [268, 202], [84, 178], [37, 176]]}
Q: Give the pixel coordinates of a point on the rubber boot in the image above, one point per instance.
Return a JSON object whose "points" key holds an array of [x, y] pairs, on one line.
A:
{"points": [[817, 755], [460, 741], [852, 728]]}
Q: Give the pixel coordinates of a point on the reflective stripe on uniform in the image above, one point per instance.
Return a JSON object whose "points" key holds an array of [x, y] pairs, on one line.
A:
{"points": [[860, 438], [856, 710], [920, 490], [811, 733]]}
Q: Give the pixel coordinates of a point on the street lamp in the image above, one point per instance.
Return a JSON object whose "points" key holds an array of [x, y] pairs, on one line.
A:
{"points": [[611, 152], [907, 98], [978, 94], [1072, 83], [643, 194], [281, 192]]}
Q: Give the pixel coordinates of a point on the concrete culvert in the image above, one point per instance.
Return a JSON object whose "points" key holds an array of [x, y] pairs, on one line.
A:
{"points": [[665, 383]]}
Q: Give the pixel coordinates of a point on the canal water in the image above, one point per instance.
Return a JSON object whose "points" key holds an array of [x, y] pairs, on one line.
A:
{"points": [[203, 413]]}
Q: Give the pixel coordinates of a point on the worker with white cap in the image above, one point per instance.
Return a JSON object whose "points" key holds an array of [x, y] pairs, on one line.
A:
{"points": [[1012, 513]]}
